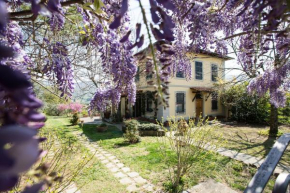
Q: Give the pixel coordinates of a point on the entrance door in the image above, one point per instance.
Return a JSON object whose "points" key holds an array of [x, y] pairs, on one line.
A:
{"points": [[198, 107]]}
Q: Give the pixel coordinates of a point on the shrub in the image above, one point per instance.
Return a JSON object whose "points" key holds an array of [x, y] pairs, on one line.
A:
{"points": [[245, 107], [132, 132], [75, 119], [85, 113], [149, 127], [51, 110], [103, 125], [183, 144]]}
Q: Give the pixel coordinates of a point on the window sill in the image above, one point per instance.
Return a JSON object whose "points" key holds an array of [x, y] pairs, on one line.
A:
{"points": [[183, 113]]}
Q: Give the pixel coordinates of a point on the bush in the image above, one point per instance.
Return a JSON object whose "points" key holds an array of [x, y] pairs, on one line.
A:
{"points": [[75, 119], [149, 127], [132, 132], [51, 110], [85, 113], [245, 107], [184, 143], [103, 125]]}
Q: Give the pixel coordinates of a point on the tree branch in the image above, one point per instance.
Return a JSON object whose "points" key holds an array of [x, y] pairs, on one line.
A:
{"points": [[29, 12]]}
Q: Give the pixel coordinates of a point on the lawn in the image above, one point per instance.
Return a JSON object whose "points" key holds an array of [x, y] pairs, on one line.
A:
{"points": [[94, 177], [246, 139], [145, 158]]}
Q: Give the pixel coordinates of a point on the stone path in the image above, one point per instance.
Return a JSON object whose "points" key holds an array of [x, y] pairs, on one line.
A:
{"points": [[245, 158], [133, 181], [251, 160], [72, 189], [93, 120]]}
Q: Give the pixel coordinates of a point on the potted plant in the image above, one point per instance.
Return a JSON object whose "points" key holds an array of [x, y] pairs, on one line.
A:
{"points": [[102, 128]]}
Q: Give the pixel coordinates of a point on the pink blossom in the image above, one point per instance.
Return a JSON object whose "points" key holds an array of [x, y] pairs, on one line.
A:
{"points": [[75, 107], [62, 107]]}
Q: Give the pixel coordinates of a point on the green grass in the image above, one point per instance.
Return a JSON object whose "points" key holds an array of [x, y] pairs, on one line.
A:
{"points": [[94, 176], [145, 158], [247, 139]]}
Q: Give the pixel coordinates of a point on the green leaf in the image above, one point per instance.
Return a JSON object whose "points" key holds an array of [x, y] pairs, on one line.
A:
{"points": [[82, 32], [98, 4]]}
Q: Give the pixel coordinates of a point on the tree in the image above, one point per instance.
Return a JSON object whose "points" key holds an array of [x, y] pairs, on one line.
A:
{"points": [[57, 33], [245, 107]]}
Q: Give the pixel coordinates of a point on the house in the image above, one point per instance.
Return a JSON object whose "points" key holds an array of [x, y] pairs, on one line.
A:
{"points": [[188, 99]]}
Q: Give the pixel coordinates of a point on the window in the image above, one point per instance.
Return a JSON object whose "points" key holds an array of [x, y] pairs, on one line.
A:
{"points": [[149, 102], [180, 102], [180, 74], [214, 72], [198, 70], [137, 77], [149, 76], [214, 101]]}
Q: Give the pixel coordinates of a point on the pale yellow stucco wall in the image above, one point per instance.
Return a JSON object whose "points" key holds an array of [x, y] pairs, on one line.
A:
{"points": [[182, 85]]}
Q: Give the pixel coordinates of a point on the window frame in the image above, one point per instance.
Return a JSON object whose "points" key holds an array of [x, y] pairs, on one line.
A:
{"points": [[149, 76], [195, 71], [184, 102], [183, 75], [217, 74], [137, 76]]}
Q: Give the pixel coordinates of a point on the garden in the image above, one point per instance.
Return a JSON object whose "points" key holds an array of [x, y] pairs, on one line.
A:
{"points": [[86, 84], [147, 158]]}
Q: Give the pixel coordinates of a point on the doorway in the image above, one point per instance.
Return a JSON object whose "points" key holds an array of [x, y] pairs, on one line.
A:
{"points": [[198, 104]]}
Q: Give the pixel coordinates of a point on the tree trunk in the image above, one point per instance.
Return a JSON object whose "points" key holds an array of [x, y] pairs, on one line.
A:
{"points": [[273, 121]]}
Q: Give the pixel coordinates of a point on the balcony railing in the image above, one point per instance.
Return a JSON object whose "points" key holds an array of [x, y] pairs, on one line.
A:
{"points": [[262, 176]]}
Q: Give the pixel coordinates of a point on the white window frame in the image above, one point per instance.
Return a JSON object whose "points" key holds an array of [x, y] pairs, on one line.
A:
{"points": [[201, 69], [217, 69]]}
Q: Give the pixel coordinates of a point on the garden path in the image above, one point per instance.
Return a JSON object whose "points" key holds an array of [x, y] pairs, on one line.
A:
{"points": [[133, 181]]}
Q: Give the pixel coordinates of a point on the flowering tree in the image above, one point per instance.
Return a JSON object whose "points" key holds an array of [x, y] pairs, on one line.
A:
{"points": [[103, 26], [75, 107]]}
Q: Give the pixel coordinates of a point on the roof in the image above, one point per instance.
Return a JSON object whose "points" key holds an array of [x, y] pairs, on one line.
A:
{"points": [[202, 89], [199, 51]]}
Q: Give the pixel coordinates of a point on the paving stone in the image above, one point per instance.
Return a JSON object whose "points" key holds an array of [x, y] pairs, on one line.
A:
{"points": [[133, 174], [132, 188], [210, 186], [126, 180], [115, 161], [148, 187], [114, 170], [120, 165], [140, 180], [112, 157], [101, 157], [107, 154], [105, 161], [125, 169], [110, 165], [119, 175]]}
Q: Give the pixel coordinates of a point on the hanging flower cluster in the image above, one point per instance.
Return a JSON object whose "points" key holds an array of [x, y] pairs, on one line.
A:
{"points": [[59, 67]]}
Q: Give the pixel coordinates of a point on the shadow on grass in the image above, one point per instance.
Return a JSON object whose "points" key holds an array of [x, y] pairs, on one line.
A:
{"points": [[122, 144], [249, 146], [111, 133]]}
